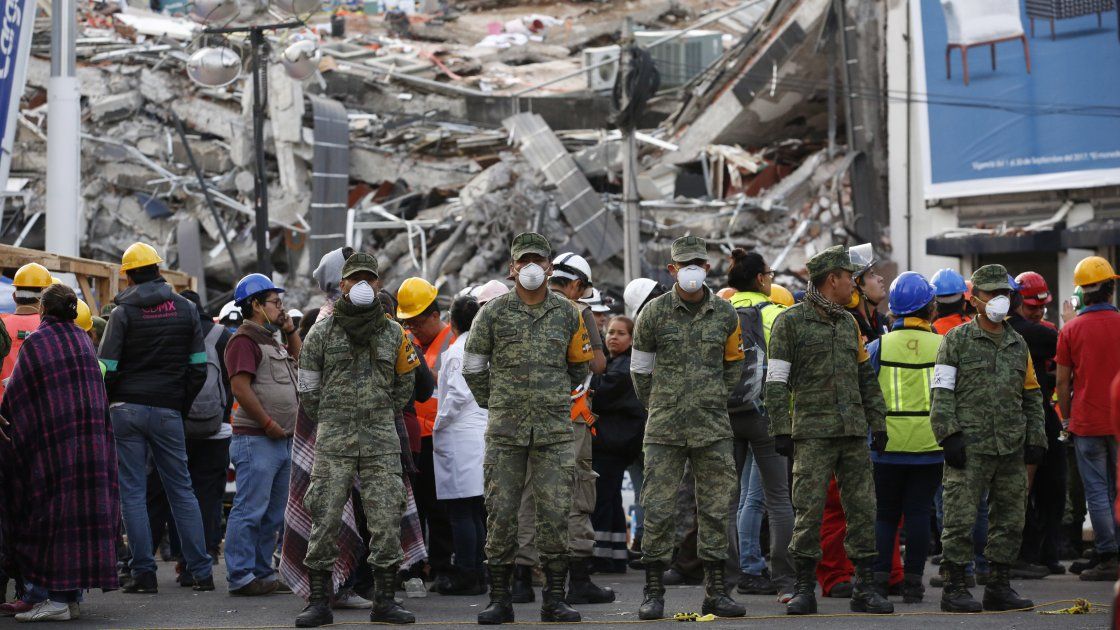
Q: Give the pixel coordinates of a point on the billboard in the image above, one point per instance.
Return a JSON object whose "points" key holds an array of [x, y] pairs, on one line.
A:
{"points": [[1007, 105], [16, 25]]}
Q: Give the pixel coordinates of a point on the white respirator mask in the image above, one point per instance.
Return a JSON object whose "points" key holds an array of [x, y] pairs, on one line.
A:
{"points": [[531, 277], [362, 294], [996, 309], [691, 278]]}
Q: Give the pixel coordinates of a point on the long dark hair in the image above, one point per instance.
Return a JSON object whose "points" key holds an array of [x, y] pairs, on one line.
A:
{"points": [[60, 301], [745, 267]]}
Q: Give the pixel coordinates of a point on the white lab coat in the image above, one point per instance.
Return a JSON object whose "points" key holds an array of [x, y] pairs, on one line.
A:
{"points": [[458, 437]]}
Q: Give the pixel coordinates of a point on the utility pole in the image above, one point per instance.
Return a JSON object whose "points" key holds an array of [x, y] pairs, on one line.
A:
{"points": [[64, 134], [631, 224]]}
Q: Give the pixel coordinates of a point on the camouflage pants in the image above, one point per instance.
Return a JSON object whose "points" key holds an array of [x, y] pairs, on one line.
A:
{"points": [[1004, 478], [545, 470], [581, 535], [383, 499], [815, 461], [714, 469]]}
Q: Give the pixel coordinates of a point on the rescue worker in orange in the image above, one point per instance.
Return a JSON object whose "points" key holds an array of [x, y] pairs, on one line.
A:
{"points": [[950, 290], [29, 282]]}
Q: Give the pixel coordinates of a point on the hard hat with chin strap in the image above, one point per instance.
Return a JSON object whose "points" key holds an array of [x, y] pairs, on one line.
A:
{"points": [[572, 267]]}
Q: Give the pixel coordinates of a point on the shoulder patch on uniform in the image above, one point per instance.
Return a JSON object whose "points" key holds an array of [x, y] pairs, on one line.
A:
{"points": [[579, 347], [407, 359], [733, 348]]}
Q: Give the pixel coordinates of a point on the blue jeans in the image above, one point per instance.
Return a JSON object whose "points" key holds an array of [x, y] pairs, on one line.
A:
{"points": [[263, 467], [749, 519], [138, 431], [1096, 461]]}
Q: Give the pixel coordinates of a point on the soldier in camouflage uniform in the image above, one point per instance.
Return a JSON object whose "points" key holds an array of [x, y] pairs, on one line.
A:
{"points": [[817, 357], [686, 359], [527, 350], [355, 370], [986, 404]]}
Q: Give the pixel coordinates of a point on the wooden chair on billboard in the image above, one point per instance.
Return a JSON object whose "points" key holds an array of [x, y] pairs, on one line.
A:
{"points": [[973, 23]]}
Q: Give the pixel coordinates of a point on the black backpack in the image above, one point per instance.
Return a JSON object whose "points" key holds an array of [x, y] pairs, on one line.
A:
{"points": [[747, 395]]}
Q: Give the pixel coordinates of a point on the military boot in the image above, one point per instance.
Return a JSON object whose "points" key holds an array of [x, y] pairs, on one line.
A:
{"points": [[998, 594], [318, 610], [955, 597], [865, 597], [804, 600], [385, 606], [716, 600], [500, 609], [881, 582], [581, 590], [912, 589], [553, 606], [653, 607], [522, 590]]}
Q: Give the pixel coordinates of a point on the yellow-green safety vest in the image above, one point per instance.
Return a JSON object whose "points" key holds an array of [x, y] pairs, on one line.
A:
{"points": [[906, 359], [769, 312]]}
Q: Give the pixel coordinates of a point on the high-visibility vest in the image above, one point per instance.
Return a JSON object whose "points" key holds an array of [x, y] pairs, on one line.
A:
{"points": [[944, 324], [426, 411], [18, 327], [906, 359]]}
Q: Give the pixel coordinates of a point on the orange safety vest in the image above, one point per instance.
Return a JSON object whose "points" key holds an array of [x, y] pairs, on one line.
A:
{"points": [[581, 406], [18, 327], [944, 324], [426, 411]]}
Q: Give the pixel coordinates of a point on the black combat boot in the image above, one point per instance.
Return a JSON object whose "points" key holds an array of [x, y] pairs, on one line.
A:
{"points": [[653, 607], [385, 606], [912, 589], [522, 590], [318, 610], [955, 597], [804, 600], [581, 590], [998, 594], [500, 609], [865, 598], [716, 600], [881, 582], [553, 606]]}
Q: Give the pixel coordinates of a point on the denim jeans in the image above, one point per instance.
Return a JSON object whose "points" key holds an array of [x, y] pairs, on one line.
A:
{"points": [[263, 466], [138, 431], [749, 518], [1096, 461]]}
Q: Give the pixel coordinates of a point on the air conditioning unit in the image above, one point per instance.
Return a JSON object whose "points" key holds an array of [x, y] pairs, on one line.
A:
{"points": [[602, 78], [683, 58]]}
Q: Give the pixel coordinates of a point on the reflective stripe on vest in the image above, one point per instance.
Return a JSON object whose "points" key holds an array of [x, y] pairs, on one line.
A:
{"points": [[433, 356], [906, 364]]}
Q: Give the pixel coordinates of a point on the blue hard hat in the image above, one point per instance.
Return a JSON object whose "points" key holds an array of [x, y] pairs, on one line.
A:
{"points": [[910, 292], [1014, 285], [251, 285], [948, 282]]}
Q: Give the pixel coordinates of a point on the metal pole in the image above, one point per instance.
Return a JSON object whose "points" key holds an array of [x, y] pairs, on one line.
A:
{"points": [[631, 211], [260, 185], [64, 173]]}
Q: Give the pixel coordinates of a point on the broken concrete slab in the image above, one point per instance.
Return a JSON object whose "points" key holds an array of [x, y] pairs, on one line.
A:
{"points": [[114, 107], [375, 167]]}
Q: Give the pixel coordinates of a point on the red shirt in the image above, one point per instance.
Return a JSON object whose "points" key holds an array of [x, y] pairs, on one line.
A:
{"points": [[1090, 346], [243, 356]]}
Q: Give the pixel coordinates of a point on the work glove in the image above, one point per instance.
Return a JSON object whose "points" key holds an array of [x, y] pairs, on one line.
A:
{"points": [[275, 431], [879, 441], [1033, 455], [784, 445], [954, 450]]}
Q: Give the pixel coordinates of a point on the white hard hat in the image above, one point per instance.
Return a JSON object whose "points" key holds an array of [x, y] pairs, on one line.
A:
{"points": [[294, 313], [636, 294], [489, 291], [230, 311], [595, 301], [572, 267]]}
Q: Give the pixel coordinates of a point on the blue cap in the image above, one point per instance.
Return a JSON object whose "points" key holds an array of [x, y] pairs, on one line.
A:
{"points": [[910, 293], [251, 285], [948, 282], [1014, 285]]}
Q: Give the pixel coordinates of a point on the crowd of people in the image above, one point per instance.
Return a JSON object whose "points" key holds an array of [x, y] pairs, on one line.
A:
{"points": [[481, 444]]}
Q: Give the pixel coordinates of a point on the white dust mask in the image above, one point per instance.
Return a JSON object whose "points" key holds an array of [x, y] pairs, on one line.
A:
{"points": [[691, 278], [531, 276]]}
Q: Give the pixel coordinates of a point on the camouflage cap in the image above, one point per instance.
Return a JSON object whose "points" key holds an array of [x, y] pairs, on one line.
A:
{"points": [[688, 248], [990, 278], [529, 243], [359, 261], [835, 257]]}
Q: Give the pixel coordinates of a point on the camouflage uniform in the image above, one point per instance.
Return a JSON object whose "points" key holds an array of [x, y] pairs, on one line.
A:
{"points": [[988, 392], [686, 359], [522, 362], [819, 361], [352, 393]]}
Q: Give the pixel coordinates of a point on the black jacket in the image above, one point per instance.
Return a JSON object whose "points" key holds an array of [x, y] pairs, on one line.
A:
{"points": [[153, 348], [621, 421], [1042, 342]]}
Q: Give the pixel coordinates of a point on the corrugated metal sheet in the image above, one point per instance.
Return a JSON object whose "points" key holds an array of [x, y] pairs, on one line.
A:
{"points": [[330, 177]]}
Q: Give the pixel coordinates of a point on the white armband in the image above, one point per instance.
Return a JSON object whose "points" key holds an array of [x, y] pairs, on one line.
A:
{"points": [[475, 363], [778, 371], [944, 376], [308, 380], [642, 362]]}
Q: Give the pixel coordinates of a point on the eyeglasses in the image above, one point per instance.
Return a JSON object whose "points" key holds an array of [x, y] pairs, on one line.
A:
{"points": [[276, 302], [770, 274]]}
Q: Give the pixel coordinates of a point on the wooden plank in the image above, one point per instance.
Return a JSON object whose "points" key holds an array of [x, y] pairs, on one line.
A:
{"points": [[87, 294], [106, 276]]}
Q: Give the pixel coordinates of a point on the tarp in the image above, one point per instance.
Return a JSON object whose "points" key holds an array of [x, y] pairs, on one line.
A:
{"points": [[1036, 113], [15, 45]]}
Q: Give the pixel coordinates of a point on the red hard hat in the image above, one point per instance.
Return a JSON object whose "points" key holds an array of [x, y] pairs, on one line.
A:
{"points": [[1032, 286]]}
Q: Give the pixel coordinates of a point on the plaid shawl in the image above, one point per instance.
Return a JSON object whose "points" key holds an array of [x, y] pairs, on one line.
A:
{"points": [[59, 506]]}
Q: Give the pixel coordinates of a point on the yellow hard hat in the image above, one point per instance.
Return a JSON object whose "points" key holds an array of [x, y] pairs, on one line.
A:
{"points": [[415, 295], [32, 276], [85, 316], [139, 255], [854, 302], [726, 293], [56, 280], [1093, 270], [781, 295]]}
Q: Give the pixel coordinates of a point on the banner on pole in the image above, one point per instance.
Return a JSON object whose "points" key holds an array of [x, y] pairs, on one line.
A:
{"points": [[18, 21]]}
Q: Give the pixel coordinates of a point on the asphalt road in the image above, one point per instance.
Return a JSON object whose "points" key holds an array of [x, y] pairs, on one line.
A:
{"points": [[176, 607]]}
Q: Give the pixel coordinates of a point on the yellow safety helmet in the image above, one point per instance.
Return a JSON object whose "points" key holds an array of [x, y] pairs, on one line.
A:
{"points": [[1093, 270], [781, 295], [56, 280], [84, 320], [139, 255], [415, 295], [32, 276]]}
